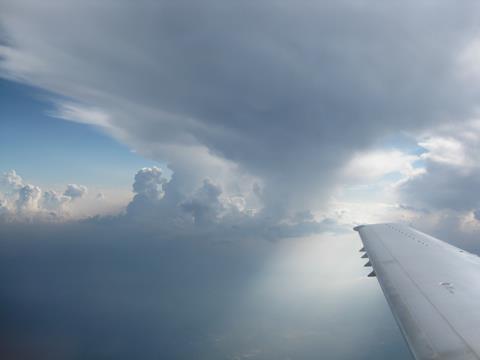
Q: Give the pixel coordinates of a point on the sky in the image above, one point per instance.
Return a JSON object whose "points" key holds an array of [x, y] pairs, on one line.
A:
{"points": [[174, 174], [32, 140]]}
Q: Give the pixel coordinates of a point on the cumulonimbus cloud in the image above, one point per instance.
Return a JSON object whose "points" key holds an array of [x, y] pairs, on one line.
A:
{"points": [[281, 92]]}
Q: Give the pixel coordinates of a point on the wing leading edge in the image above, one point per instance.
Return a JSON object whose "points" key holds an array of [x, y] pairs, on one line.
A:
{"points": [[433, 290]]}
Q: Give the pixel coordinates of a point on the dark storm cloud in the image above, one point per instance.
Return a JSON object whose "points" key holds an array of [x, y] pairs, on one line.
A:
{"points": [[444, 196], [286, 90], [451, 179], [444, 186]]}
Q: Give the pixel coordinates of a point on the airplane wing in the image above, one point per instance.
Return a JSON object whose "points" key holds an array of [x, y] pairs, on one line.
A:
{"points": [[433, 290]]}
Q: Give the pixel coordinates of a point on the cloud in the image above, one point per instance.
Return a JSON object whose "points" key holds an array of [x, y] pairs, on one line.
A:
{"points": [[28, 198], [74, 191], [444, 150], [443, 187], [148, 187], [24, 201], [373, 165], [278, 105], [450, 180], [149, 183], [81, 114], [52, 200], [435, 190], [209, 212], [163, 206], [3, 208], [205, 206], [283, 93], [12, 180]]}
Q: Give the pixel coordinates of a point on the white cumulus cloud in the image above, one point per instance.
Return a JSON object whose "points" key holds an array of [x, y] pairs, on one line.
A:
{"points": [[12, 180], [28, 198], [75, 191], [23, 201]]}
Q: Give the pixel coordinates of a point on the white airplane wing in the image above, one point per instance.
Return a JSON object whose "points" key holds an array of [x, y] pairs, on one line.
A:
{"points": [[433, 290]]}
